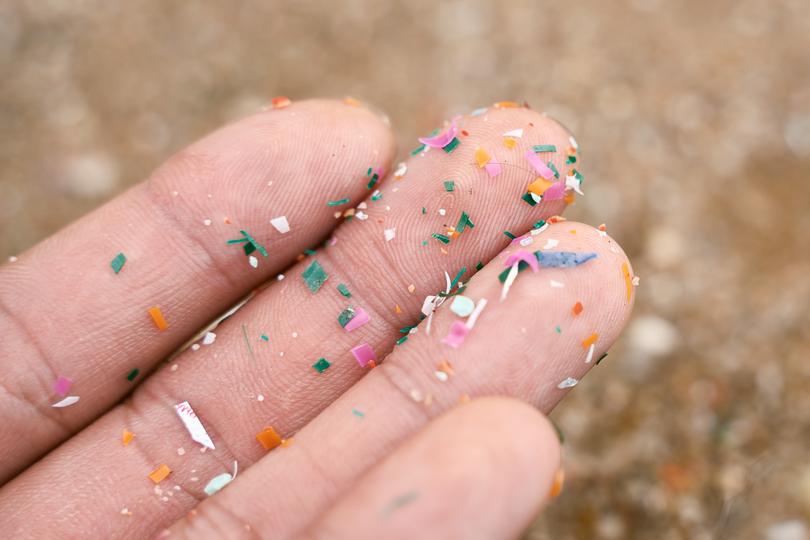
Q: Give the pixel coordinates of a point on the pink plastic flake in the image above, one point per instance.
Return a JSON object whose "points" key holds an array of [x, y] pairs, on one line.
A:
{"points": [[458, 332], [525, 256], [364, 354], [360, 318], [62, 385], [493, 168], [541, 168], [442, 139]]}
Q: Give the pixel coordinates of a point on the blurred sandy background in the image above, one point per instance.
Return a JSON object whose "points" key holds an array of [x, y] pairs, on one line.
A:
{"points": [[693, 120]]}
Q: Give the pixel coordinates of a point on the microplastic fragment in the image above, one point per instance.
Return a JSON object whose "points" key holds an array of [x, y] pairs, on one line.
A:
{"points": [[481, 157], [563, 259], [338, 202], [360, 318], [280, 102], [216, 483], [577, 309], [553, 169], [67, 402], [506, 105], [61, 385], [345, 316], [479, 111], [556, 284], [159, 475], [442, 139], [344, 290], [458, 332], [627, 280], [193, 425], [517, 133], [281, 224], [268, 438], [589, 356], [544, 148], [451, 145], [539, 187], [253, 261], [358, 413], [476, 313], [570, 382], [540, 167], [157, 318], [551, 243], [462, 305], [509, 142], [493, 168], [449, 185], [364, 354], [118, 262], [126, 437], [604, 355], [587, 342], [555, 192], [557, 486], [441, 238], [314, 276], [209, 338], [132, 375], [402, 168], [524, 256], [321, 365], [390, 234]]}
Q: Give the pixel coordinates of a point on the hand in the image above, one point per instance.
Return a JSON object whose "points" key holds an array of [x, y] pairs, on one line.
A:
{"points": [[290, 391]]}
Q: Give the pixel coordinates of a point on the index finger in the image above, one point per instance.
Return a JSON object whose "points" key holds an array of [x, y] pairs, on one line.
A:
{"points": [[89, 311]]}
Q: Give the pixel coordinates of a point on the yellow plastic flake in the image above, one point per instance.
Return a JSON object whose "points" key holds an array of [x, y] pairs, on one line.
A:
{"points": [[481, 157], [506, 105], [539, 186], [348, 100], [158, 319], [268, 438], [509, 142], [159, 475], [628, 280], [126, 437]]}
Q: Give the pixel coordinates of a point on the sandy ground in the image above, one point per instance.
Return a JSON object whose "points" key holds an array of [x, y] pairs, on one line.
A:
{"points": [[693, 119]]}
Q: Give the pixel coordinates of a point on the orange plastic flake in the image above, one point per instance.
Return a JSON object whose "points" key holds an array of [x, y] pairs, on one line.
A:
{"points": [[351, 101], [446, 367], [506, 105], [371, 364], [159, 475], [126, 437], [602, 227], [556, 219], [570, 198], [268, 438], [590, 340], [464, 398], [509, 142], [557, 486], [628, 281], [577, 309], [157, 318], [280, 102], [481, 157], [539, 186], [397, 309]]}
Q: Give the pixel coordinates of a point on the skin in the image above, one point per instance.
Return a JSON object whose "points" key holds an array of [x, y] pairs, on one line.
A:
{"points": [[320, 484]]}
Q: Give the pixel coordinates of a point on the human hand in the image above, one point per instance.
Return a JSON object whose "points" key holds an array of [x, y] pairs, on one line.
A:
{"points": [[355, 451]]}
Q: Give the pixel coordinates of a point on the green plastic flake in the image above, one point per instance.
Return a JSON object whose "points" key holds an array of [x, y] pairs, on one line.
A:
{"points": [[601, 358], [578, 176], [402, 340], [449, 185], [553, 168], [264, 337], [377, 196], [571, 160], [510, 235], [539, 224], [314, 276], [373, 181], [344, 290], [358, 414], [479, 266], [132, 374], [418, 149], [368, 172], [424, 242], [310, 252], [345, 316], [424, 210], [458, 277], [321, 365], [463, 221], [338, 202], [441, 238], [251, 246], [544, 148], [529, 199], [451, 145], [558, 329], [406, 329], [118, 262]]}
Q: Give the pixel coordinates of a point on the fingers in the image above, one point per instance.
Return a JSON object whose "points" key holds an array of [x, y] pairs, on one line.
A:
{"points": [[66, 312], [482, 470], [387, 278], [532, 345]]}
